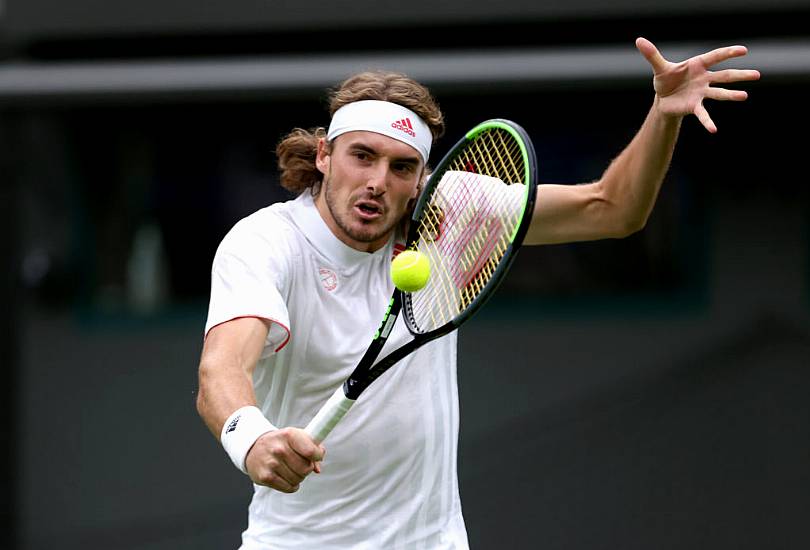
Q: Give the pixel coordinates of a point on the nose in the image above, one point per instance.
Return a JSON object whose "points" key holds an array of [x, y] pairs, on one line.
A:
{"points": [[377, 181]]}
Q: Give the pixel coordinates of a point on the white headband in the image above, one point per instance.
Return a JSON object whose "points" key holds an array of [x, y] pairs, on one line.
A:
{"points": [[382, 117]]}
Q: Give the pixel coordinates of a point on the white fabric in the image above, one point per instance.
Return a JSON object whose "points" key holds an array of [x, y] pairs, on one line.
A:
{"points": [[475, 208], [389, 475], [240, 432], [382, 117]]}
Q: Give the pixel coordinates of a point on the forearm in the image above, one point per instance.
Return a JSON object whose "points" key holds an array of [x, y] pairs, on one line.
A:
{"points": [[618, 203], [277, 458], [631, 183], [229, 357], [223, 388]]}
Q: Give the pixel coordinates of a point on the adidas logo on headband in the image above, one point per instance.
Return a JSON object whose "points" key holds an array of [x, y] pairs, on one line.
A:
{"points": [[404, 125]]}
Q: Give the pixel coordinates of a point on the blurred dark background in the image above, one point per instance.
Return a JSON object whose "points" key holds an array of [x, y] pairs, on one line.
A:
{"points": [[650, 392]]}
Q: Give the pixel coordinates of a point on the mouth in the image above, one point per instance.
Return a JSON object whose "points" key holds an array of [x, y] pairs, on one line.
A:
{"points": [[368, 210]]}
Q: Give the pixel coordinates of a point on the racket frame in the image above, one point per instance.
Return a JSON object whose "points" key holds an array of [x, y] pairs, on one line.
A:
{"points": [[516, 239]]}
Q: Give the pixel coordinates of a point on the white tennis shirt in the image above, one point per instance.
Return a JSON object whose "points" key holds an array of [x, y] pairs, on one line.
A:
{"points": [[389, 475]]}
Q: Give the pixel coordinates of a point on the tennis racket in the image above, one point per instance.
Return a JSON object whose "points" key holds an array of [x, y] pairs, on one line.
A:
{"points": [[469, 221]]}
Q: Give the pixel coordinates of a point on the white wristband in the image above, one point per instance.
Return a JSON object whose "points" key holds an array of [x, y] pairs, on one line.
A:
{"points": [[240, 432]]}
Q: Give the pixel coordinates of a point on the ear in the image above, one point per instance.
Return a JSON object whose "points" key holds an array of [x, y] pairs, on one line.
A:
{"points": [[322, 157], [423, 177]]}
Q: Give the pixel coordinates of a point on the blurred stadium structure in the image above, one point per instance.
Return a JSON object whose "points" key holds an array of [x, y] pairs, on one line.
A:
{"points": [[666, 402]]}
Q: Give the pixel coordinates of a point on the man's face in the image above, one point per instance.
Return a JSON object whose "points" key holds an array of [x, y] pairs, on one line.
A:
{"points": [[368, 181]]}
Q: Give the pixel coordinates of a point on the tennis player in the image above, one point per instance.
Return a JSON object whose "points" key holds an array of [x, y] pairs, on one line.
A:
{"points": [[298, 288]]}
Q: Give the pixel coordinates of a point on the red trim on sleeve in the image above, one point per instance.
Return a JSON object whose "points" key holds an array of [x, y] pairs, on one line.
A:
{"points": [[282, 325]]}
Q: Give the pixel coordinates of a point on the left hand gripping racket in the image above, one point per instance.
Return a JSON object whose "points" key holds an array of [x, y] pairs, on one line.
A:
{"points": [[470, 220]]}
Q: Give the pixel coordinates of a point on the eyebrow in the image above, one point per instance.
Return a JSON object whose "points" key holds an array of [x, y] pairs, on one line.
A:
{"points": [[415, 159]]}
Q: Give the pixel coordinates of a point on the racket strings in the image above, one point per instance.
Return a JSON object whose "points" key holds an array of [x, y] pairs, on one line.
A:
{"points": [[467, 226]]}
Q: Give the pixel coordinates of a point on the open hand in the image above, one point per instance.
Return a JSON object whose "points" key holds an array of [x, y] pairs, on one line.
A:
{"points": [[682, 87]]}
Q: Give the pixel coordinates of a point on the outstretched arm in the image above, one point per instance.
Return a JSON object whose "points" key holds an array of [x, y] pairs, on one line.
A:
{"points": [[620, 202]]}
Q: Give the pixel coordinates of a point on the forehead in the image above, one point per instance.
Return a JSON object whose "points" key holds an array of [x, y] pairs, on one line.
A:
{"points": [[379, 143]]}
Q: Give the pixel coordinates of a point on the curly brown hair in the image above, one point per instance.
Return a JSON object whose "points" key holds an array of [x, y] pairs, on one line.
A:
{"points": [[297, 150]]}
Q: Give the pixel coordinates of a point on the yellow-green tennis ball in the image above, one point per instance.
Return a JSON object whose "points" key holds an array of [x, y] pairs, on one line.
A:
{"points": [[410, 270]]}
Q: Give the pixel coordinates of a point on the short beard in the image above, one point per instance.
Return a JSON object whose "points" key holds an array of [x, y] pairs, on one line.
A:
{"points": [[359, 236]]}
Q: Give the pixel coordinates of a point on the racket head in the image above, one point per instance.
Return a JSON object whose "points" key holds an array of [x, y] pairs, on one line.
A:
{"points": [[470, 221]]}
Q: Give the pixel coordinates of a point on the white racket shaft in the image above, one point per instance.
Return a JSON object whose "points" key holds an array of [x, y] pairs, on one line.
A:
{"points": [[329, 415]]}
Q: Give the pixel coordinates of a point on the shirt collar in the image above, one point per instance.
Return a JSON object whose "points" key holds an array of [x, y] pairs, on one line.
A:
{"points": [[309, 220]]}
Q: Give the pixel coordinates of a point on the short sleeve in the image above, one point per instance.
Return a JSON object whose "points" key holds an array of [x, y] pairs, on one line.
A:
{"points": [[249, 277]]}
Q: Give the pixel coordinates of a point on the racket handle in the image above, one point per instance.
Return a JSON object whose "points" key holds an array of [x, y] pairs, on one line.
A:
{"points": [[329, 415]]}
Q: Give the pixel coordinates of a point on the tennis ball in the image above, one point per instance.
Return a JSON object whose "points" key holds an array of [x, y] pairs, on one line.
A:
{"points": [[410, 270]]}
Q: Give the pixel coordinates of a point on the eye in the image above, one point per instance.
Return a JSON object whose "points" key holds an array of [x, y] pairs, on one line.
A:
{"points": [[405, 168], [362, 155]]}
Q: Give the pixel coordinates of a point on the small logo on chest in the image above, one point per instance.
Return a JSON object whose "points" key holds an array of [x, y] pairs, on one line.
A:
{"points": [[329, 279]]}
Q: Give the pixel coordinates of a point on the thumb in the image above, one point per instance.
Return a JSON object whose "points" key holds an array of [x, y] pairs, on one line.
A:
{"points": [[305, 446], [651, 54], [319, 461]]}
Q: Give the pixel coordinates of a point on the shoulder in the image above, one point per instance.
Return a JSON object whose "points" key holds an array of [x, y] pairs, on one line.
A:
{"points": [[266, 237], [268, 230]]}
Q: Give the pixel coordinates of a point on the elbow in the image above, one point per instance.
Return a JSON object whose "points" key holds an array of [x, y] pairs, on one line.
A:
{"points": [[629, 225], [617, 219], [617, 223], [200, 404], [202, 389]]}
